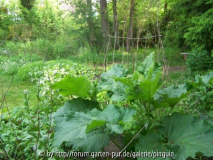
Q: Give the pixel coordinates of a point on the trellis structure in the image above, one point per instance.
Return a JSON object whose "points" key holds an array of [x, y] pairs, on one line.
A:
{"points": [[158, 43], [159, 47]]}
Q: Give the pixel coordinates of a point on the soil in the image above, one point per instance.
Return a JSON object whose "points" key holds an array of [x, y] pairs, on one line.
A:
{"points": [[176, 68]]}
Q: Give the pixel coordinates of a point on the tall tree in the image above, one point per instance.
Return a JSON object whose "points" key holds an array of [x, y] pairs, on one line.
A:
{"points": [[115, 26], [90, 23], [105, 24], [130, 27], [86, 22]]}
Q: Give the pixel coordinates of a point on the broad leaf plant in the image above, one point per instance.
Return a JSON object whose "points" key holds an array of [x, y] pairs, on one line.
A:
{"points": [[86, 124]]}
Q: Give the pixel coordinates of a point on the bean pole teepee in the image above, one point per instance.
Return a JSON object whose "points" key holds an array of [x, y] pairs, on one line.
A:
{"points": [[137, 43]]}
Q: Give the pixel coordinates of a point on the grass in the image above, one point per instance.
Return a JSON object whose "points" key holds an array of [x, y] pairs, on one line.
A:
{"points": [[175, 78], [15, 96], [120, 56], [173, 57]]}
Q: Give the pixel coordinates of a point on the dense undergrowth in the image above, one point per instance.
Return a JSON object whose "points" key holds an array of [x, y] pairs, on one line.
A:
{"points": [[66, 88], [74, 110]]}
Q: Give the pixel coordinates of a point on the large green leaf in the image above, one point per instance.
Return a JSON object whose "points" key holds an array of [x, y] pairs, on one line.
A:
{"points": [[187, 135], [148, 88], [128, 81], [207, 78], [116, 71], [107, 83], [78, 86], [200, 80], [170, 95], [184, 135], [69, 124], [147, 65], [95, 124], [152, 142], [139, 88], [79, 125], [114, 116], [95, 141], [70, 129], [70, 107]]}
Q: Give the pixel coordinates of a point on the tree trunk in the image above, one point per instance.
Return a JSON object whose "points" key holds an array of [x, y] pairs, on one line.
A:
{"points": [[130, 28], [115, 19], [105, 24], [165, 6], [90, 23]]}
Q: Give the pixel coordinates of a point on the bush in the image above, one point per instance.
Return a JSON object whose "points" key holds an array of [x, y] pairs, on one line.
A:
{"points": [[199, 61], [55, 69], [10, 65], [40, 48], [21, 139], [200, 34], [28, 71]]}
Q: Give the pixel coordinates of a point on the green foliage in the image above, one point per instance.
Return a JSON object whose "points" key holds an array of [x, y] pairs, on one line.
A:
{"points": [[48, 73], [175, 30], [184, 135], [120, 104], [27, 3], [71, 85], [79, 126], [7, 19], [201, 99], [142, 90], [137, 86], [41, 48], [199, 35], [107, 83], [170, 96], [172, 54], [19, 132], [53, 70], [148, 65], [12, 64], [8, 66], [39, 29], [190, 22], [88, 25], [199, 61], [81, 122], [29, 71]]}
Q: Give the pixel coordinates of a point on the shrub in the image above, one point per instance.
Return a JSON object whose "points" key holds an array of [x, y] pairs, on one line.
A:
{"points": [[41, 48], [11, 64], [8, 65], [199, 61], [21, 139], [200, 33], [28, 71], [55, 69]]}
